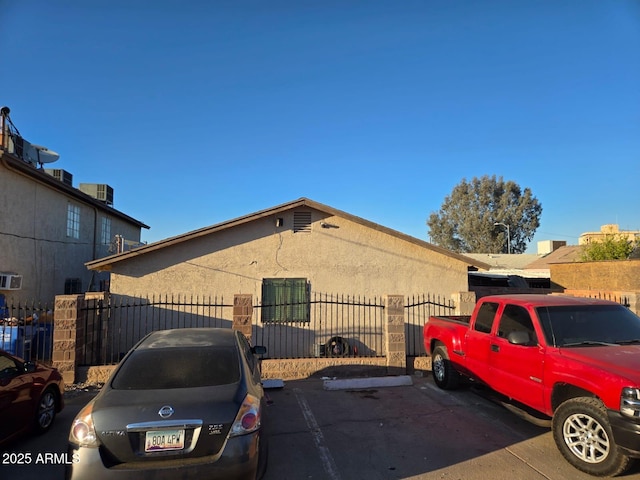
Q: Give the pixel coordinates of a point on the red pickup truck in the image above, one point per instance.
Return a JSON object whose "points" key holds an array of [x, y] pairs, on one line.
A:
{"points": [[574, 361]]}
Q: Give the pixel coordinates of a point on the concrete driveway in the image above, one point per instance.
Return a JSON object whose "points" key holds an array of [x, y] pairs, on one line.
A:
{"points": [[402, 432]]}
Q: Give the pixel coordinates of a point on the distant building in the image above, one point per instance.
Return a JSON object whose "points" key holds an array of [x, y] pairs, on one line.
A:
{"points": [[545, 247], [607, 231]]}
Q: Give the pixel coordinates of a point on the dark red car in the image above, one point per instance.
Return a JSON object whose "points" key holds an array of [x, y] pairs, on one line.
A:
{"points": [[31, 394]]}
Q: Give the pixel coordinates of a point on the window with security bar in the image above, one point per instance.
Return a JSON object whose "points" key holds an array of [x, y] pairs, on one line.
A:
{"points": [[72, 285], [285, 300]]}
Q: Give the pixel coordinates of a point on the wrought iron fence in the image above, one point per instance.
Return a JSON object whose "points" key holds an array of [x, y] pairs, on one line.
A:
{"points": [[612, 297], [418, 310], [110, 328], [26, 330], [337, 326]]}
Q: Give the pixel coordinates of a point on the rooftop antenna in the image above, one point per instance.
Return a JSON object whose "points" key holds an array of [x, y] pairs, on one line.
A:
{"points": [[13, 142]]}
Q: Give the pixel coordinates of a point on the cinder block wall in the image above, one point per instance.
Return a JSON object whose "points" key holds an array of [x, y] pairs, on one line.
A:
{"points": [[612, 276]]}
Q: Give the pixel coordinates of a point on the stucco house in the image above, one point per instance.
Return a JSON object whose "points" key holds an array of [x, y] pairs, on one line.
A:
{"points": [[281, 259], [49, 228], [301, 241]]}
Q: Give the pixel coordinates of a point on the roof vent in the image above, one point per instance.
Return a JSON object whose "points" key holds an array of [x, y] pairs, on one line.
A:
{"points": [[301, 222]]}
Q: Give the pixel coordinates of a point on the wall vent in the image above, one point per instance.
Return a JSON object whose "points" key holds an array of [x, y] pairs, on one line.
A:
{"points": [[60, 175], [99, 191], [302, 222]]}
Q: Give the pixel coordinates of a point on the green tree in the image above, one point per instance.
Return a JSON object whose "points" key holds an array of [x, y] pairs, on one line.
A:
{"points": [[466, 221], [611, 247]]}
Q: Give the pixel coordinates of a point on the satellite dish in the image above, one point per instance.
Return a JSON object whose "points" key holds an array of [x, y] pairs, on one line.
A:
{"points": [[44, 155]]}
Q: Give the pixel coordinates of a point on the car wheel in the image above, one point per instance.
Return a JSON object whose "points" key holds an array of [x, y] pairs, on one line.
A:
{"points": [[46, 411], [583, 435], [445, 376]]}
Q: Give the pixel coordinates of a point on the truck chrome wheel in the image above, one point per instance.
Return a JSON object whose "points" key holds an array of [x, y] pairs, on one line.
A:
{"points": [[443, 372], [583, 435], [437, 364], [586, 438]]}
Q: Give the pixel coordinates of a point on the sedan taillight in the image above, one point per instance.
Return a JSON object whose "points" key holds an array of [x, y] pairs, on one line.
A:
{"points": [[248, 418], [83, 432]]}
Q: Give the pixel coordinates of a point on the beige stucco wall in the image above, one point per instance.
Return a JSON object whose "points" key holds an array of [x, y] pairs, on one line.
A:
{"points": [[348, 258], [34, 242]]}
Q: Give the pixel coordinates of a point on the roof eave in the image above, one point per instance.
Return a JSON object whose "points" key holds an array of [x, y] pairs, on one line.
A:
{"points": [[107, 262]]}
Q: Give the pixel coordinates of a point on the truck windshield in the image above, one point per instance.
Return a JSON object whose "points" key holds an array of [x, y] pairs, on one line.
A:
{"points": [[589, 325]]}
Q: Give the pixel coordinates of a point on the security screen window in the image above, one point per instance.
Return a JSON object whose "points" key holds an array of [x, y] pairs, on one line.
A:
{"points": [[285, 300]]}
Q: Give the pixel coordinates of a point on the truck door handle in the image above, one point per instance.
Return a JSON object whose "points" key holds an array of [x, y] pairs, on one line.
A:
{"points": [[495, 348]]}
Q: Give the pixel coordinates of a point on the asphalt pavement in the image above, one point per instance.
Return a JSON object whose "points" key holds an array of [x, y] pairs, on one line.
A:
{"points": [[413, 431]]}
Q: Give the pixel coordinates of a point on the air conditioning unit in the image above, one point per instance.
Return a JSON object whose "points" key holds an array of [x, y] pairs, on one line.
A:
{"points": [[10, 281], [61, 175], [99, 191]]}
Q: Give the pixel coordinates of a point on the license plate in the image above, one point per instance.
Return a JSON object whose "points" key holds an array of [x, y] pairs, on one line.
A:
{"points": [[161, 440]]}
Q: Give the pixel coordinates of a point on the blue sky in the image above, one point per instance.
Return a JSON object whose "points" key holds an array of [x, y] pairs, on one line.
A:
{"points": [[197, 112]]}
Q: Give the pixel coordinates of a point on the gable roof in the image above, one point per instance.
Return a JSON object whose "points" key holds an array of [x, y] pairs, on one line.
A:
{"points": [[106, 263], [566, 254]]}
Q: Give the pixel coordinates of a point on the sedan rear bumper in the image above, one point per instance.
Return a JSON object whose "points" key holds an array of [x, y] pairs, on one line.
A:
{"points": [[239, 460]]}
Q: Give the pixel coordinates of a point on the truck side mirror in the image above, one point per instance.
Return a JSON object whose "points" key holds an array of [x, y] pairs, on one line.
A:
{"points": [[519, 338]]}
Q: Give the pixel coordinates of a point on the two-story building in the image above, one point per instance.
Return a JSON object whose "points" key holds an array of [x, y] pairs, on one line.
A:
{"points": [[48, 228]]}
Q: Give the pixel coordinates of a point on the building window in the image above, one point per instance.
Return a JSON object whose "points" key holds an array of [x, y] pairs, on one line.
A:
{"points": [[72, 285], [285, 300], [105, 235], [73, 221]]}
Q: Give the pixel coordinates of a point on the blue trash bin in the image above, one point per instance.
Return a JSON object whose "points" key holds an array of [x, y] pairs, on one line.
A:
{"points": [[42, 341], [16, 340]]}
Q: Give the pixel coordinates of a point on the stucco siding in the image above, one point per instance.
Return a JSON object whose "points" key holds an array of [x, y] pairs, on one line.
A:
{"points": [[34, 241], [346, 257]]}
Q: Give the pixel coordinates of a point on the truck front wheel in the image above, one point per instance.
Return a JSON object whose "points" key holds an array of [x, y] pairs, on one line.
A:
{"points": [[443, 372], [583, 435]]}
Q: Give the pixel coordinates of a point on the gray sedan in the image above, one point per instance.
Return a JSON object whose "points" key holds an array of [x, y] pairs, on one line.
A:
{"points": [[184, 403]]}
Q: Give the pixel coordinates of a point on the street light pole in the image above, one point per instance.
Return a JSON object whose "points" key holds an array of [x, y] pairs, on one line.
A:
{"points": [[508, 235]]}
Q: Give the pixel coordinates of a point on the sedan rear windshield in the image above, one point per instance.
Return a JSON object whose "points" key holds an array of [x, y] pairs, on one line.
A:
{"points": [[167, 368]]}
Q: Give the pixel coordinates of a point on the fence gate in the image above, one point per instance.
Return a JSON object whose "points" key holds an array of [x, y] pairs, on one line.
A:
{"points": [[417, 311]]}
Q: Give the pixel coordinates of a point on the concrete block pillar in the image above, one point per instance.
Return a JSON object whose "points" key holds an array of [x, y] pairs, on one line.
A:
{"points": [[68, 326], [243, 313], [464, 302], [396, 346]]}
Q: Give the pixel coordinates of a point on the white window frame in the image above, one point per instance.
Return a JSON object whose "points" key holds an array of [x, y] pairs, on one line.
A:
{"points": [[73, 221], [105, 231]]}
